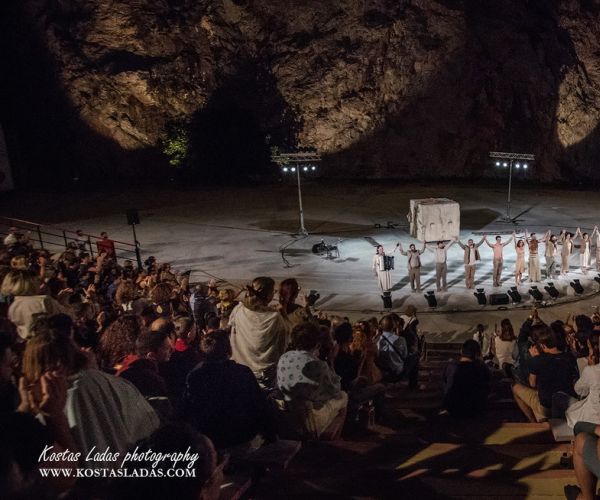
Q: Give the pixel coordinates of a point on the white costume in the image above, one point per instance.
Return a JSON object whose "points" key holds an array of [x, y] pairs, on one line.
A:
{"points": [[384, 277]]}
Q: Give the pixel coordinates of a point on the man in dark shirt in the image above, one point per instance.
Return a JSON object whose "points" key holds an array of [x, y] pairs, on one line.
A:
{"points": [[142, 370], [467, 383], [222, 398], [550, 371]]}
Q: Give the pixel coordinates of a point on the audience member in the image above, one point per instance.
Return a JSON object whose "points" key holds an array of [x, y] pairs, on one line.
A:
{"points": [[550, 371], [316, 402], [467, 383], [222, 398], [259, 333]]}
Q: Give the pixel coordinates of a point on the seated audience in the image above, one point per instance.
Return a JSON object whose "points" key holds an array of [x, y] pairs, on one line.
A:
{"points": [[153, 349], [550, 371], [467, 383], [259, 333], [588, 387], [311, 388], [504, 345], [222, 398], [27, 302], [173, 438], [102, 410]]}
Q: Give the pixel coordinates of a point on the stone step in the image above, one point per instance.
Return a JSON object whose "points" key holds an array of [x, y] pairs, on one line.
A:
{"points": [[444, 429]]}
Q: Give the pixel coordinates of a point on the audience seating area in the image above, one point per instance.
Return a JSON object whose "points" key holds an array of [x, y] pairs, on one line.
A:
{"points": [[276, 399]]}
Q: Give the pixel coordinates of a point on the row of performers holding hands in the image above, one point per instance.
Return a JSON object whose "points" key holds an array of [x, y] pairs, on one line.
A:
{"points": [[556, 247]]}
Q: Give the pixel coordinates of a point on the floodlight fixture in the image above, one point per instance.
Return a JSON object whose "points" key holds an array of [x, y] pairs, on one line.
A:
{"points": [[508, 160]]}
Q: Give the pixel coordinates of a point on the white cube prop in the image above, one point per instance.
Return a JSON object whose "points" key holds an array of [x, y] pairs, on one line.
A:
{"points": [[434, 219]]}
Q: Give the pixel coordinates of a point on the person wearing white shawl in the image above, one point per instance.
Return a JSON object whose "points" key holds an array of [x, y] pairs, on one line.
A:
{"points": [[259, 333]]}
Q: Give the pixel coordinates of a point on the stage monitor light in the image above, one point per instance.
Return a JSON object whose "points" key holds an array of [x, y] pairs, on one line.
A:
{"points": [[576, 285], [536, 294], [387, 300], [430, 298], [480, 296], [552, 291], [285, 169], [514, 294]]}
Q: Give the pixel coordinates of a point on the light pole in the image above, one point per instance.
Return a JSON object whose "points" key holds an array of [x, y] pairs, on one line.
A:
{"points": [[507, 160], [291, 163], [306, 168]]}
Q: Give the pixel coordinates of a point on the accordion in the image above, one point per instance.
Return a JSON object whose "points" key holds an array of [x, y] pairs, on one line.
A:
{"points": [[388, 263]]}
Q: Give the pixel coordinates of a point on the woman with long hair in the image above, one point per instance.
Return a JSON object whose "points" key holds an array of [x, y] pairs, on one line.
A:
{"points": [[505, 345], [103, 411], [520, 263], [585, 250], [588, 386], [259, 333], [565, 253]]}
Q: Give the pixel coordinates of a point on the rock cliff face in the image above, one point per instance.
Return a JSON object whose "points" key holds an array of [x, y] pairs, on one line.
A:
{"points": [[382, 88]]}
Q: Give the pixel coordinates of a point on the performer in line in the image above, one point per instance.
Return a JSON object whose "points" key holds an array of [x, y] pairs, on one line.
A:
{"points": [[381, 268], [414, 265], [520, 263], [596, 241], [470, 259], [498, 249], [565, 252], [585, 250], [441, 268], [535, 274], [550, 254]]}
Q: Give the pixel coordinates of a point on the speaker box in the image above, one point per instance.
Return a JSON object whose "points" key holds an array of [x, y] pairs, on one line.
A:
{"points": [[499, 299], [133, 216], [387, 300]]}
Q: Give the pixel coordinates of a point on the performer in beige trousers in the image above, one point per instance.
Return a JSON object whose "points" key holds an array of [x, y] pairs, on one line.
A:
{"points": [[471, 257], [414, 265], [498, 249]]}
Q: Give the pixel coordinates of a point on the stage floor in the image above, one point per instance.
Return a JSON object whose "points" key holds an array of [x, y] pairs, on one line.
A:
{"points": [[236, 234]]}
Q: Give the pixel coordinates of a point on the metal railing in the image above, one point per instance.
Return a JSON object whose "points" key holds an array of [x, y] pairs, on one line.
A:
{"points": [[49, 237]]}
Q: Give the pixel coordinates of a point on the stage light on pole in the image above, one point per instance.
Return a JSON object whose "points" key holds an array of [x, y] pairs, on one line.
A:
{"points": [[305, 169], [511, 157], [497, 163], [293, 169], [313, 168], [285, 169]]}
